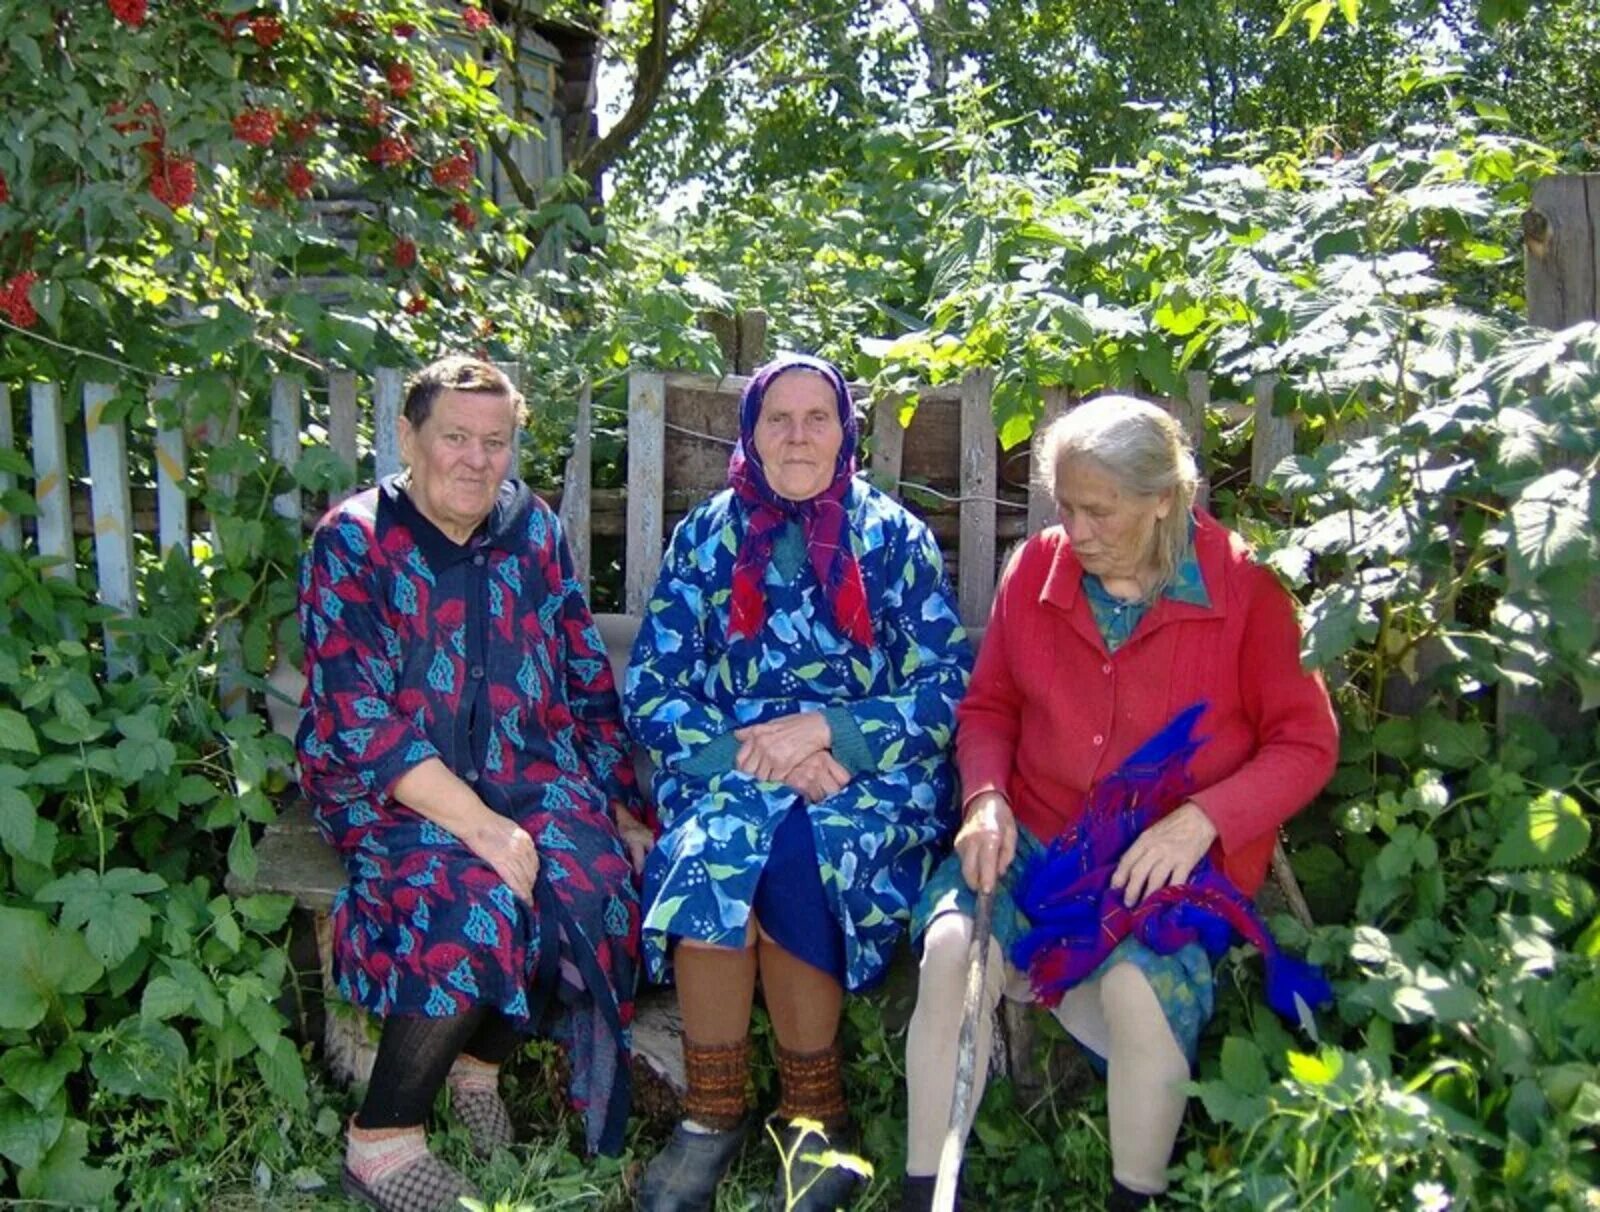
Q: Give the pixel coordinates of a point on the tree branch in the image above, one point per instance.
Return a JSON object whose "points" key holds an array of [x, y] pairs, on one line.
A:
{"points": [[649, 80]]}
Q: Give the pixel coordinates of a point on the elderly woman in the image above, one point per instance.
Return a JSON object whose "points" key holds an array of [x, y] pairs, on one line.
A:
{"points": [[462, 746], [1139, 694], [795, 680]]}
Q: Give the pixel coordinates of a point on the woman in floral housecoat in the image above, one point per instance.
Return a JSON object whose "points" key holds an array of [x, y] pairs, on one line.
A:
{"points": [[795, 679], [462, 747]]}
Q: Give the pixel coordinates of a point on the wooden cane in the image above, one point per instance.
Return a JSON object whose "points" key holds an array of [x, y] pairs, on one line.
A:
{"points": [[955, 1138]]}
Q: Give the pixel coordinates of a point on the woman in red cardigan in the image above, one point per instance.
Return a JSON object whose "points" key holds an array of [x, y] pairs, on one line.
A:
{"points": [[1105, 628]]}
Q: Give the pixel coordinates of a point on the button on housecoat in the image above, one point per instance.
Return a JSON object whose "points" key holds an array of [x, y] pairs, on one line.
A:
{"points": [[878, 838], [485, 656]]}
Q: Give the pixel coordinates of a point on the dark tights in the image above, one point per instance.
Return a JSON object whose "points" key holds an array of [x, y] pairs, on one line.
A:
{"points": [[414, 1054]]}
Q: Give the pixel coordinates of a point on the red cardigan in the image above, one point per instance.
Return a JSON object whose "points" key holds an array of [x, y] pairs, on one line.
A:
{"points": [[1049, 710]]}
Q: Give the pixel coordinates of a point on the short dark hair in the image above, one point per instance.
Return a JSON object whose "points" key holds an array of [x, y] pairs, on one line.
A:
{"points": [[459, 372]]}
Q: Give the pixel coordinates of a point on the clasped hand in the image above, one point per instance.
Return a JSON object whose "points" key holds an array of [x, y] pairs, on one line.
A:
{"points": [[794, 750], [1166, 853], [507, 847]]}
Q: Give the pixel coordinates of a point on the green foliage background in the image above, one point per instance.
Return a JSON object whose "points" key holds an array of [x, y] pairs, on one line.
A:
{"points": [[1077, 195]]}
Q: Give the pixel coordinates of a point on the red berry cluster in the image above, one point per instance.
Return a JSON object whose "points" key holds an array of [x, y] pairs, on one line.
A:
{"points": [[299, 179], [416, 305], [475, 19], [389, 151], [376, 110], [5, 190], [302, 129], [257, 126], [14, 300], [403, 30], [172, 179], [130, 12], [404, 253], [466, 218], [266, 30], [454, 172], [400, 77]]}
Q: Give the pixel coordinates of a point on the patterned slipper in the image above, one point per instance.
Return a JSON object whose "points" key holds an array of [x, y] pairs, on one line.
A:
{"points": [[425, 1184], [483, 1113]]}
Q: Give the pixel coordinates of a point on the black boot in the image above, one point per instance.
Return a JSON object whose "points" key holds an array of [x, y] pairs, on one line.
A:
{"points": [[1123, 1199], [815, 1187], [683, 1177], [916, 1194]]}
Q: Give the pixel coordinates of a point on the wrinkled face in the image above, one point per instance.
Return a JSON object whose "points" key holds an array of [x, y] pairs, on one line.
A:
{"points": [[1112, 530], [798, 435], [458, 458]]}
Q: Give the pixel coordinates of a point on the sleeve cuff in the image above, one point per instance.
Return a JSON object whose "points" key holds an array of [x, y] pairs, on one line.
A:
{"points": [[713, 758], [850, 748]]}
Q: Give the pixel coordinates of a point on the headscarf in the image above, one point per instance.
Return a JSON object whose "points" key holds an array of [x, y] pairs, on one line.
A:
{"points": [[822, 518]]}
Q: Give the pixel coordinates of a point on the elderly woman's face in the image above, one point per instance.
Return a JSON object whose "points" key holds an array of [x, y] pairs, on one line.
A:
{"points": [[798, 434], [1112, 530], [458, 458]]}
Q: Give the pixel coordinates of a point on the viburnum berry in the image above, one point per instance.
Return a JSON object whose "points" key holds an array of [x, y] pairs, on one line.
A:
{"points": [[475, 19], [401, 79], [377, 111], [131, 13], [228, 27], [5, 190], [302, 129], [145, 119], [257, 126], [404, 253], [266, 30], [403, 30], [390, 151], [453, 172], [466, 218], [14, 299], [299, 179], [416, 305], [172, 180]]}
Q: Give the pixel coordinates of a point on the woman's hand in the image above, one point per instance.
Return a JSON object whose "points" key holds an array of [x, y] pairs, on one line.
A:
{"points": [[636, 838], [987, 841], [818, 776], [1165, 853], [771, 750], [505, 846]]}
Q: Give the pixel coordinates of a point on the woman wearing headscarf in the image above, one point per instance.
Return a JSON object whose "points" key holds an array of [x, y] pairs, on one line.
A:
{"points": [[795, 679], [1138, 727], [461, 744]]}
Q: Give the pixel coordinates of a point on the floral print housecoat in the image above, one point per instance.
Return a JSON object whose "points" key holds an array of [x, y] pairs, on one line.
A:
{"points": [[878, 838], [483, 655]]}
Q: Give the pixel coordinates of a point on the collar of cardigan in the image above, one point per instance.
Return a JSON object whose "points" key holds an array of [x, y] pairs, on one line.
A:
{"points": [[504, 529], [1063, 584]]}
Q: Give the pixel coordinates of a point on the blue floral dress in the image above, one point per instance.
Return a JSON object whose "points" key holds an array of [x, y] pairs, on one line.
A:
{"points": [[688, 688], [484, 656]]}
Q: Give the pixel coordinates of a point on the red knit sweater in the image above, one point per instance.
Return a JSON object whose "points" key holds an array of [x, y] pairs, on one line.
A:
{"points": [[1049, 710]]}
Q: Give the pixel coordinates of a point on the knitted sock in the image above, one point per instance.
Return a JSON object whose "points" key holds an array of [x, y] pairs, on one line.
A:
{"points": [[717, 1075], [470, 1073], [812, 1085], [372, 1154]]}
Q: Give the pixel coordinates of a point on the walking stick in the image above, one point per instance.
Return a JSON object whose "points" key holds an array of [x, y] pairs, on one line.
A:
{"points": [[955, 1138]]}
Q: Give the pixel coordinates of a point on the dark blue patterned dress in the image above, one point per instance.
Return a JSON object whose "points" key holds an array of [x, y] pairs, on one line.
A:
{"points": [[485, 656], [875, 841]]}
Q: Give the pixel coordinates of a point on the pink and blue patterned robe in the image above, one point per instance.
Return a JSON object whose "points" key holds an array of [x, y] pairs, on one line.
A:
{"points": [[876, 840], [485, 656]]}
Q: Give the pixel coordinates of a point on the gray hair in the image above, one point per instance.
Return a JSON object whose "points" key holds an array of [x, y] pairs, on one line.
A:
{"points": [[459, 372], [1144, 449]]}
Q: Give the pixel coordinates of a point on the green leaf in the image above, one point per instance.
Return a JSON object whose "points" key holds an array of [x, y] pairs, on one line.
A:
{"points": [[1550, 522], [64, 1175], [283, 1071], [1243, 1066], [18, 820], [164, 998], [108, 907], [140, 1059], [27, 1132], [16, 733], [45, 964], [36, 1077], [1548, 832], [1316, 1070], [1452, 743]]}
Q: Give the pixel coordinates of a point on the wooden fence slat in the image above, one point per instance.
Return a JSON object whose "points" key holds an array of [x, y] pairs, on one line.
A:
{"points": [[647, 431], [576, 485], [342, 420], [1041, 506], [233, 694], [1274, 440], [10, 528], [1190, 410], [1561, 253], [387, 388], [284, 437], [51, 484], [111, 506], [979, 482], [752, 326], [172, 473], [888, 443]]}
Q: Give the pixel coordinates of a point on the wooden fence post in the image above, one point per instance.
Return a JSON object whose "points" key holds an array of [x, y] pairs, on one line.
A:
{"points": [[1041, 506], [979, 483], [1562, 266], [342, 421], [285, 441], [1274, 440], [387, 386], [172, 472], [888, 443], [1190, 410], [576, 488], [647, 433], [10, 528], [111, 508], [51, 479]]}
